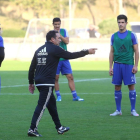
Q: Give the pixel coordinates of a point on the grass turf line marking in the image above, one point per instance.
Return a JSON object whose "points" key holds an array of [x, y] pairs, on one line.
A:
{"points": [[61, 93], [84, 80]]}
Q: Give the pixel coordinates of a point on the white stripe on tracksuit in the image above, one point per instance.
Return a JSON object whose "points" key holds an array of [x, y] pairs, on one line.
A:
{"points": [[44, 84], [47, 99]]}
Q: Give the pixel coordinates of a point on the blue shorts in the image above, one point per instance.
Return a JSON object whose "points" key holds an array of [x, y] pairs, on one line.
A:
{"points": [[123, 72], [64, 67]]}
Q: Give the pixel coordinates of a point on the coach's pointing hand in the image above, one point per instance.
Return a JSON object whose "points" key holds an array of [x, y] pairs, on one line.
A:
{"points": [[92, 50]]}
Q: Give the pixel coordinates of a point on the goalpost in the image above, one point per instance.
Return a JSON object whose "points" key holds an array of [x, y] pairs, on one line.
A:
{"points": [[38, 28]]}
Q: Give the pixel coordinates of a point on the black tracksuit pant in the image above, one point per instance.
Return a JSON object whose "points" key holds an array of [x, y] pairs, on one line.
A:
{"points": [[46, 99], [1, 55]]}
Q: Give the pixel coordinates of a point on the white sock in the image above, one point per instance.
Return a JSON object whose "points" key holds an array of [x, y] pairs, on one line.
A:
{"points": [[60, 127]]}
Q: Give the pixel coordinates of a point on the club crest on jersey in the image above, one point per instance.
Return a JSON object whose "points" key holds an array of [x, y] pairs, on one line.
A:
{"points": [[42, 52]]}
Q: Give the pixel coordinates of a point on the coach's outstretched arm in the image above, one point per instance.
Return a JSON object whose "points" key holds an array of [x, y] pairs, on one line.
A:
{"points": [[73, 55]]}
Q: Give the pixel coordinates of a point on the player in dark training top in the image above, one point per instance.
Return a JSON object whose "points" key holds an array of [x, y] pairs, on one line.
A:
{"points": [[42, 71]]}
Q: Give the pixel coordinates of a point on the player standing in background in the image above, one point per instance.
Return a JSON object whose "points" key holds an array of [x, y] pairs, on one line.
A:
{"points": [[1, 48], [64, 65], [124, 45]]}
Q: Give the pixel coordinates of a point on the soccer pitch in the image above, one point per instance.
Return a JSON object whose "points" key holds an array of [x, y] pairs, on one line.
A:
{"points": [[88, 120]]}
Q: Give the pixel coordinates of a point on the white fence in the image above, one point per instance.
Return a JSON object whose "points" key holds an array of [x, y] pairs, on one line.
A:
{"points": [[15, 49]]}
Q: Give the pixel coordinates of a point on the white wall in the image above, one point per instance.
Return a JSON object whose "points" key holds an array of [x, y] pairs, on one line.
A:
{"points": [[16, 49]]}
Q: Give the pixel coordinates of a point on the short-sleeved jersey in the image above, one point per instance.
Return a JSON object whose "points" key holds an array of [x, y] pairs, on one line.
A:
{"points": [[1, 42], [123, 35], [65, 32]]}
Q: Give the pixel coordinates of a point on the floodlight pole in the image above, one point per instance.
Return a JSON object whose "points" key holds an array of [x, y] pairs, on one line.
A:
{"points": [[70, 14], [121, 7]]}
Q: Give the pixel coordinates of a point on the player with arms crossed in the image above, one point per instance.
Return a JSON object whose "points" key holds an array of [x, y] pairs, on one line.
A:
{"points": [[1, 48], [64, 65], [123, 46]]}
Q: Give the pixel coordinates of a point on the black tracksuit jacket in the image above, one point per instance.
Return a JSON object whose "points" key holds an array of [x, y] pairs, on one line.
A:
{"points": [[44, 63]]}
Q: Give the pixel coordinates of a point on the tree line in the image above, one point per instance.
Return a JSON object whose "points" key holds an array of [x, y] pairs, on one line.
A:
{"points": [[61, 7]]}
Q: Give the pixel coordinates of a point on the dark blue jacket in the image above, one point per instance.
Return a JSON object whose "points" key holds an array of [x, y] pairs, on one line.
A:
{"points": [[44, 63]]}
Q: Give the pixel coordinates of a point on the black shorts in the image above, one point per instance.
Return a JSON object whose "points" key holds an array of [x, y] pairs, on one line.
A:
{"points": [[2, 55]]}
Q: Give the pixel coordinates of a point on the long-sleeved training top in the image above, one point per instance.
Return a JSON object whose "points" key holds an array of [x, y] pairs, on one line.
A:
{"points": [[44, 63]]}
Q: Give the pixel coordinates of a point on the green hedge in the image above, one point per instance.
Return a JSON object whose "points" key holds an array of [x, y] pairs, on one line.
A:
{"points": [[13, 33], [109, 26]]}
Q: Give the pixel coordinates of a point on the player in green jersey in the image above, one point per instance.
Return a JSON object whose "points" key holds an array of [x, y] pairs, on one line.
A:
{"points": [[124, 45], [64, 65]]}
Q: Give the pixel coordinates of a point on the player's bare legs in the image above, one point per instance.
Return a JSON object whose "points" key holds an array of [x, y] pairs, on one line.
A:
{"points": [[57, 88], [71, 82], [132, 97], [56, 82], [72, 88], [118, 87], [131, 87]]}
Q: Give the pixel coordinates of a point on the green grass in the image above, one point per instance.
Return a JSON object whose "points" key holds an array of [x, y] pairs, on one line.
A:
{"points": [[88, 120], [11, 23], [14, 33]]}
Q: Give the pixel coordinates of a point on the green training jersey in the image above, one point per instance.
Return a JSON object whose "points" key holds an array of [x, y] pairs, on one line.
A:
{"points": [[62, 44], [123, 49]]}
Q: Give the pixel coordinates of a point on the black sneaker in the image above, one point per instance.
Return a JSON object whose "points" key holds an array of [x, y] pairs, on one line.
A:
{"points": [[34, 133], [62, 130]]}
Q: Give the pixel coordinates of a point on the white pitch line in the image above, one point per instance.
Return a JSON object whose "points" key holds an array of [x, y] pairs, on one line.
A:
{"points": [[63, 93], [83, 80], [38, 93], [14, 86], [76, 81]]}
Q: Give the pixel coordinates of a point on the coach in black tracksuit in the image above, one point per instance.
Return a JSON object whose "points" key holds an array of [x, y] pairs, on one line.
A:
{"points": [[44, 66]]}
